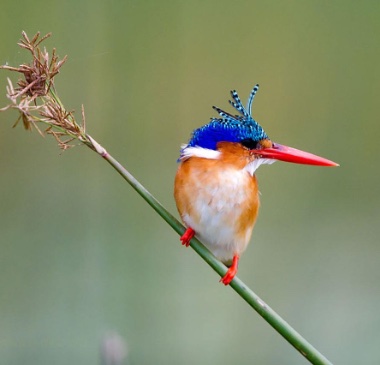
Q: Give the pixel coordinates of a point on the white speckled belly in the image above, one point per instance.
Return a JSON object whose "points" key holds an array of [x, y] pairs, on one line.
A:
{"points": [[220, 203]]}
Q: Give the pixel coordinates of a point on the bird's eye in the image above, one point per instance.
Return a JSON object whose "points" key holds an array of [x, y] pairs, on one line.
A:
{"points": [[249, 143]]}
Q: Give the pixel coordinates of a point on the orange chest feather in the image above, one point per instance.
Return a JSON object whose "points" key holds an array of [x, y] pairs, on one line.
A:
{"points": [[220, 202]]}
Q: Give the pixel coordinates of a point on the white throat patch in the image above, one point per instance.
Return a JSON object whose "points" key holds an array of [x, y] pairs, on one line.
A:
{"points": [[254, 165]]}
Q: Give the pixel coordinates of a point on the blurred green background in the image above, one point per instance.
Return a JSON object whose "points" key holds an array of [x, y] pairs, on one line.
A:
{"points": [[82, 255]]}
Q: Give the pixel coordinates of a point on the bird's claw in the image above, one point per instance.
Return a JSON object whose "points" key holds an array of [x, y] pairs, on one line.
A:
{"points": [[187, 236], [231, 272]]}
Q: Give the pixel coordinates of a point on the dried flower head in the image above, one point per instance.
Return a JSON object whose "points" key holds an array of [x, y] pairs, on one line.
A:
{"points": [[36, 99], [39, 74]]}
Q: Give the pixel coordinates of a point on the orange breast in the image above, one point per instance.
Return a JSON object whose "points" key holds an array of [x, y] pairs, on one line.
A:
{"points": [[219, 200]]}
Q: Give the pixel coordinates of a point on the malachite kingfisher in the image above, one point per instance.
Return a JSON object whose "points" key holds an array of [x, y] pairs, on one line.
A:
{"points": [[216, 189]]}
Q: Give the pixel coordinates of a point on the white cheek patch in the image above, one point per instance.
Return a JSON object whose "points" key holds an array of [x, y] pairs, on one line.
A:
{"points": [[187, 152], [254, 165]]}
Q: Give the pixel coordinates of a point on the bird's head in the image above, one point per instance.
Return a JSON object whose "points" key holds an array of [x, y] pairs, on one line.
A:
{"points": [[242, 129]]}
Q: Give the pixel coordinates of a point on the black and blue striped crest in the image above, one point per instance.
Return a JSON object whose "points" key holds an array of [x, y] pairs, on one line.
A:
{"points": [[229, 128]]}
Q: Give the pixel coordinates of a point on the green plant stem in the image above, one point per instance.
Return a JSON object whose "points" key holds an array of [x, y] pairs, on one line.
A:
{"points": [[281, 326]]}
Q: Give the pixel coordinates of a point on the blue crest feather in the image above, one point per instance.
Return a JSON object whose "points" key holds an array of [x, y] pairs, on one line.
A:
{"points": [[229, 128]]}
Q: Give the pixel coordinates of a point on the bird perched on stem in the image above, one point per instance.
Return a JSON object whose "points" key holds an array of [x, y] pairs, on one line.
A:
{"points": [[216, 189]]}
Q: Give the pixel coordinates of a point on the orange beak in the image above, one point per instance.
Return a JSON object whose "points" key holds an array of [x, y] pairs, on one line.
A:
{"points": [[289, 154]]}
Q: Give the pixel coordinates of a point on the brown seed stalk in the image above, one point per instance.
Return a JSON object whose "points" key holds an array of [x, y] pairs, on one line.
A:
{"points": [[36, 99]]}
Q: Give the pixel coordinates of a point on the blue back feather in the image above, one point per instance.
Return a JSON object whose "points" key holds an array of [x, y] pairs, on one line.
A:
{"points": [[229, 128]]}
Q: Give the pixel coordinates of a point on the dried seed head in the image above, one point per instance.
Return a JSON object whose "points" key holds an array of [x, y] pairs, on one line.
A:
{"points": [[35, 97], [39, 74]]}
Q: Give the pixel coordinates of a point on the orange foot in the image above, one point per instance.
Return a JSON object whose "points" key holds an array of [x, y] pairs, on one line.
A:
{"points": [[231, 272], [187, 236]]}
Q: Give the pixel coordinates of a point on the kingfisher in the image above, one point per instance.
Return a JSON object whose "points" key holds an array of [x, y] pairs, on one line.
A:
{"points": [[216, 189]]}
